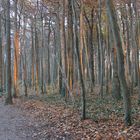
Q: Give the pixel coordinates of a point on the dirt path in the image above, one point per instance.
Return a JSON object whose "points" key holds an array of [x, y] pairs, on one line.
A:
{"points": [[13, 124]]}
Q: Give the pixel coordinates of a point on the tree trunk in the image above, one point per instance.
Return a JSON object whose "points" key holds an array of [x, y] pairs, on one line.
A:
{"points": [[16, 52], [63, 48], [83, 98], [1, 55], [8, 55], [120, 59], [116, 91]]}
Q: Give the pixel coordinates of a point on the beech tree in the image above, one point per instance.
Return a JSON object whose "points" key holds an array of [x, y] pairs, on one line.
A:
{"points": [[8, 55], [16, 53], [120, 60], [1, 85]]}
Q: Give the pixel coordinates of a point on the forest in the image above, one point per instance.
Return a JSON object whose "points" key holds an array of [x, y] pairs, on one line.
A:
{"points": [[70, 69]]}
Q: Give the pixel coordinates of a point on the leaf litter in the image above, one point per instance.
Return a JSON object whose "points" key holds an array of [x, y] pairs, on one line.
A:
{"points": [[55, 121]]}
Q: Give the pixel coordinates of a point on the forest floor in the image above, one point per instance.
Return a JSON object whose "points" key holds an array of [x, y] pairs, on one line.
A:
{"points": [[48, 117]]}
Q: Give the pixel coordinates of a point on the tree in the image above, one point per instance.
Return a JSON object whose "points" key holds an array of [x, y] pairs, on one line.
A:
{"points": [[83, 95], [1, 58], [120, 59], [16, 53], [8, 55]]}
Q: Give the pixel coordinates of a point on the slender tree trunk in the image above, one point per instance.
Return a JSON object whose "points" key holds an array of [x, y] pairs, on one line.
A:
{"points": [[116, 91], [91, 47], [120, 59], [1, 87], [101, 49], [83, 98], [37, 62], [42, 57], [48, 54], [24, 59], [8, 55], [16, 49], [33, 56], [16, 41], [63, 48], [70, 45]]}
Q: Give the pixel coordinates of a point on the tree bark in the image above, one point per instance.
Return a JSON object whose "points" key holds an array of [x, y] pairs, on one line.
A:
{"points": [[120, 59], [1, 55], [8, 55], [83, 98]]}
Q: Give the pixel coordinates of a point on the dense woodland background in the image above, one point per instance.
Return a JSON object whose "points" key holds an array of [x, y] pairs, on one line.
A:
{"points": [[86, 51]]}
